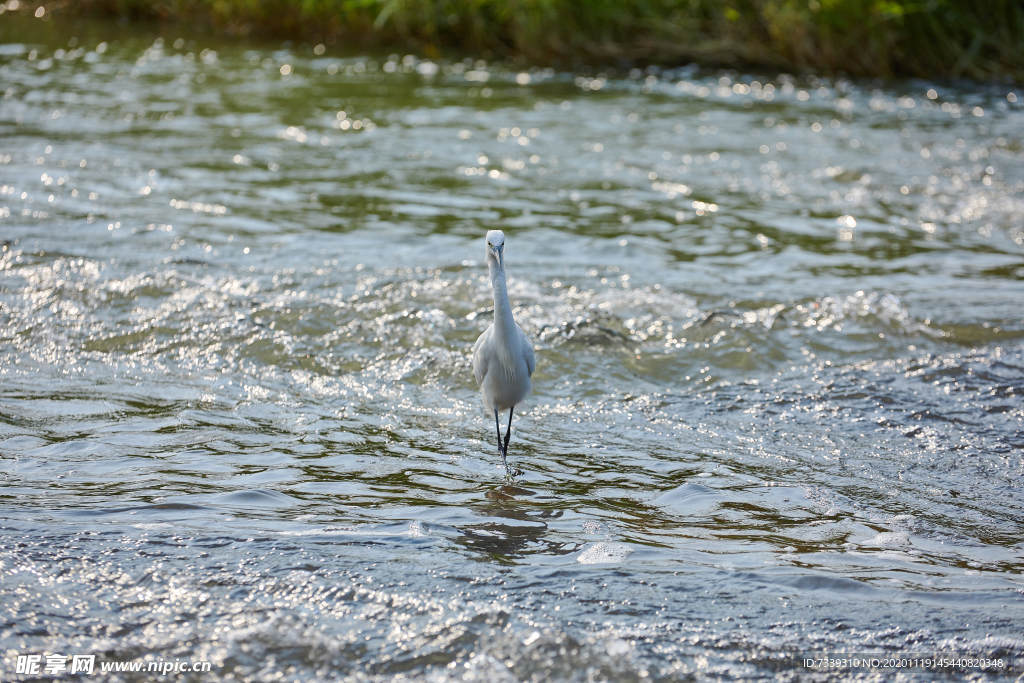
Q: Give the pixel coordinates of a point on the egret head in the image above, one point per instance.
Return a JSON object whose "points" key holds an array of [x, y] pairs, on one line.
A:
{"points": [[496, 246]]}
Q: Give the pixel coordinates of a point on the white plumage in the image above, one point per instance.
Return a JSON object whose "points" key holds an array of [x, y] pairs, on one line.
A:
{"points": [[503, 359]]}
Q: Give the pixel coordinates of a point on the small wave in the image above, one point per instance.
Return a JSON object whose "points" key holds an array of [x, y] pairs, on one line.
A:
{"points": [[605, 553]]}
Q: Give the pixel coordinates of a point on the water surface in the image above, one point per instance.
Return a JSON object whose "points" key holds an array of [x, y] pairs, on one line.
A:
{"points": [[777, 406]]}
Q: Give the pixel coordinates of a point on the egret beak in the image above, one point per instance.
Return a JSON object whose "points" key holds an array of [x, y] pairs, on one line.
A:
{"points": [[498, 253]]}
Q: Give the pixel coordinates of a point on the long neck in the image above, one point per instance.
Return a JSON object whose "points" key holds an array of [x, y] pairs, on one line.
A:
{"points": [[502, 308]]}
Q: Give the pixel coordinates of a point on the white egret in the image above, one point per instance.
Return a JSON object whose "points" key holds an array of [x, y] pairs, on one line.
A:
{"points": [[503, 358]]}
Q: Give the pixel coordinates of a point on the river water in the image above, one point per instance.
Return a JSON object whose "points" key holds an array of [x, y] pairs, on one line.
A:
{"points": [[777, 409]]}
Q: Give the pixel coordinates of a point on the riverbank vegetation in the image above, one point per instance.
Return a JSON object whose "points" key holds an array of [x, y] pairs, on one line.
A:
{"points": [[926, 38]]}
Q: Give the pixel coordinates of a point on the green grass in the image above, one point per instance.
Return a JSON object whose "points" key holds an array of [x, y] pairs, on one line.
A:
{"points": [[981, 39]]}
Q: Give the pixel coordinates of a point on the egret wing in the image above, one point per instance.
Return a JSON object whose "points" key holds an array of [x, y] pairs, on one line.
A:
{"points": [[480, 355], [528, 353]]}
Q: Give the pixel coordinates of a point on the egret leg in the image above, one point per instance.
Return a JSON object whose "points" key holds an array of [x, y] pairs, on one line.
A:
{"points": [[501, 450], [508, 433]]}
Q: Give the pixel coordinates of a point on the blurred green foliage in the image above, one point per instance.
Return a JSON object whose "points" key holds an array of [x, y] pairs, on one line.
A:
{"points": [[930, 38]]}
